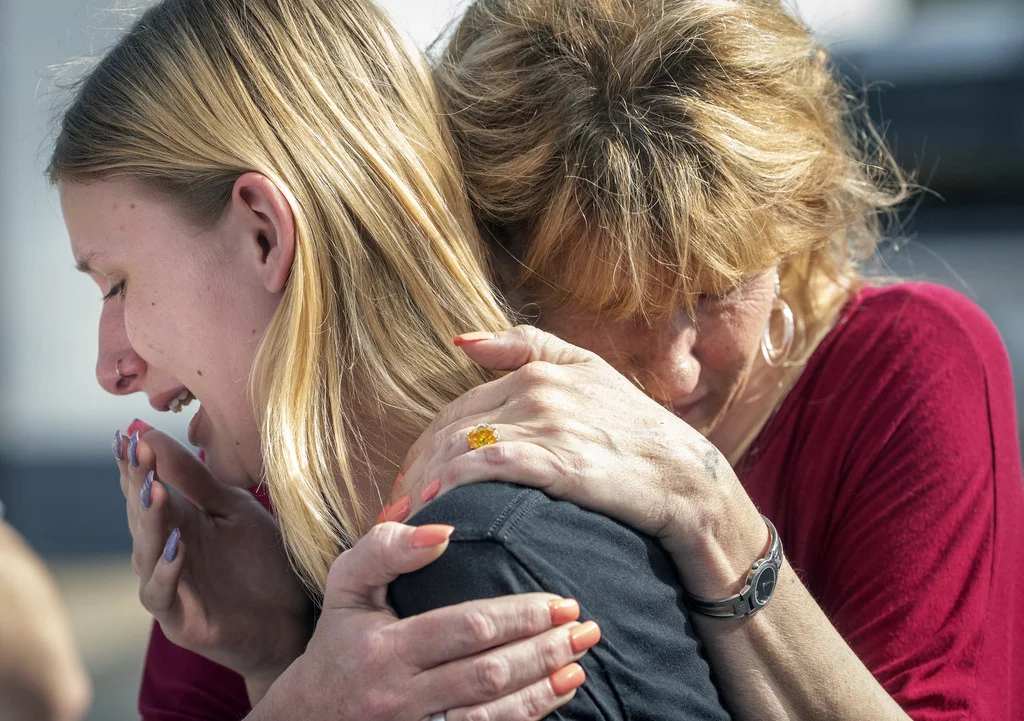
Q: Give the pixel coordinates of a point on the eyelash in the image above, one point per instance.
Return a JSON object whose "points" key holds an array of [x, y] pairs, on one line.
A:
{"points": [[117, 290]]}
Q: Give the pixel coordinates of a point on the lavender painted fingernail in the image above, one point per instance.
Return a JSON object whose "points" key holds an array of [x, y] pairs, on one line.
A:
{"points": [[147, 490], [133, 450], [118, 455], [171, 547]]}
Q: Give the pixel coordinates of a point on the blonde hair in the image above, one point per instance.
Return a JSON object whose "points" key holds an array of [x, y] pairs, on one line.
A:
{"points": [[633, 154], [337, 108]]}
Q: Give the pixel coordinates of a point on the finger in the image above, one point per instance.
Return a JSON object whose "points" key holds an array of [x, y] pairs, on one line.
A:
{"points": [[536, 701], [152, 529], [465, 629], [499, 672], [140, 462], [513, 461], [482, 400], [514, 348], [159, 595], [180, 469], [359, 577], [119, 447]]}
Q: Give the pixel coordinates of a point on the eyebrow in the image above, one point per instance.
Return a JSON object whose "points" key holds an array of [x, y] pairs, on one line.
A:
{"points": [[82, 265]]}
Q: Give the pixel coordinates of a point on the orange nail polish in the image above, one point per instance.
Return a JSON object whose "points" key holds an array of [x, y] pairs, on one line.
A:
{"points": [[382, 515], [584, 636], [473, 337], [399, 510], [563, 610], [567, 679], [431, 535], [432, 489]]}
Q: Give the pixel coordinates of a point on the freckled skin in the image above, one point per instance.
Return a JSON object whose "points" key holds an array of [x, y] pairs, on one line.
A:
{"points": [[183, 303], [700, 367]]}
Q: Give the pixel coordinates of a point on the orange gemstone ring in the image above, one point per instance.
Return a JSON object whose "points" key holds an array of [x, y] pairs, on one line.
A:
{"points": [[482, 435]]}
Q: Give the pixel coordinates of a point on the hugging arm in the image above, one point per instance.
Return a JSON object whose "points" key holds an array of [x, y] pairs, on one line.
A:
{"points": [[511, 540]]}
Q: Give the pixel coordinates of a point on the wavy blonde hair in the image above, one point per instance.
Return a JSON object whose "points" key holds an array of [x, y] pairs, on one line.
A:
{"points": [[633, 154], [329, 101]]}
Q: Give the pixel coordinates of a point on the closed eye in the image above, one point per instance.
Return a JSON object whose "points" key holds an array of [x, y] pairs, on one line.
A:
{"points": [[117, 290]]}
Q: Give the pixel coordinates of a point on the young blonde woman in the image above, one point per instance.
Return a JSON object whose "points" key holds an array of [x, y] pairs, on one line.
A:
{"points": [[263, 193], [678, 187]]}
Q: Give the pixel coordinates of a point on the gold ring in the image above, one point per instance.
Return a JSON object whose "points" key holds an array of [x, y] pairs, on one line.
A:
{"points": [[482, 435]]}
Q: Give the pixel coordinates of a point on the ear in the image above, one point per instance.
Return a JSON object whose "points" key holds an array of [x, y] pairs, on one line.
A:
{"points": [[268, 227]]}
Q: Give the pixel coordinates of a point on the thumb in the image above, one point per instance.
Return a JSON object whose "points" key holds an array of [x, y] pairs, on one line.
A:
{"points": [[512, 349], [359, 577]]}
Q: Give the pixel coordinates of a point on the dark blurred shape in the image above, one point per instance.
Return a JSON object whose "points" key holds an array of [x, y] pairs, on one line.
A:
{"points": [[949, 93]]}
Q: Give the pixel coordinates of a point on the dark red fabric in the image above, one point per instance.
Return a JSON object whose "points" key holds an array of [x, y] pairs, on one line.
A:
{"points": [[893, 474], [892, 471]]}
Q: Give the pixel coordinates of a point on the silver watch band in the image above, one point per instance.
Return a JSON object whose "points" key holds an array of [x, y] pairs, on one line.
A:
{"points": [[760, 584]]}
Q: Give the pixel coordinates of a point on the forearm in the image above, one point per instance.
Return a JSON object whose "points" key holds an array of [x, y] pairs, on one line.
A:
{"points": [[788, 662]]}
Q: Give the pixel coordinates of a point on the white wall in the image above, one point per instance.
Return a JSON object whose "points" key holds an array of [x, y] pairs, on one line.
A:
{"points": [[51, 404]]}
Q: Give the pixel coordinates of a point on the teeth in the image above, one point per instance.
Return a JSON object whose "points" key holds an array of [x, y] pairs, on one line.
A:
{"points": [[180, 401]]}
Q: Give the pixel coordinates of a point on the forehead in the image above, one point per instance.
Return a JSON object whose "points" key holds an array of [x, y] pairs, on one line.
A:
{"points": [[105, 217]]}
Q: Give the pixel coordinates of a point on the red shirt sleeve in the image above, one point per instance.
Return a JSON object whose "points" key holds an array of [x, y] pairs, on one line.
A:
{"points": [[178, 685], [899, 485]]}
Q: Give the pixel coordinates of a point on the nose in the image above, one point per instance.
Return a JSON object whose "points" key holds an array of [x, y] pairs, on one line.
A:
{"points": [[119, 369], [668, 365]]}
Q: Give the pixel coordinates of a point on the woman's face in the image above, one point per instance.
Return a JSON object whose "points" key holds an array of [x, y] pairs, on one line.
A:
{"points": [[184, 312], [697, 368]]}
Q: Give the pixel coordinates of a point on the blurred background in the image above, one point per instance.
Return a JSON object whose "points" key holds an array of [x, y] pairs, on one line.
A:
{"points": [[944, 77]]}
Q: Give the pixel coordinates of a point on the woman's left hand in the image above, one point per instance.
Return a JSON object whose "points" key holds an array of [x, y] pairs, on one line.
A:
{"points": [[572, 426]]}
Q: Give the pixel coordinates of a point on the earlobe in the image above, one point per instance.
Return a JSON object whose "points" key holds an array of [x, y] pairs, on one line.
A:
{"points": [[270, 227]]}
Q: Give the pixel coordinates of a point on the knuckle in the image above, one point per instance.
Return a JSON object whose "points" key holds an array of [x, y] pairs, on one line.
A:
{"points": [[536, 701], [480, 713], [498, 454], [480, 627], [492, 675]]}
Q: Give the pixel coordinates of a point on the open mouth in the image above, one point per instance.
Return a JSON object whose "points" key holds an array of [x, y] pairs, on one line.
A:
{"points": [[180, 401]]}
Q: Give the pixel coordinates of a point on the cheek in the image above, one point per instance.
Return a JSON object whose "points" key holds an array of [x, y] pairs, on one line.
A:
{"points": [[728, 346]]}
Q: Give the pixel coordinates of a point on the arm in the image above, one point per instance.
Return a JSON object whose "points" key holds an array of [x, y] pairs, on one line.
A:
{"points": [[790, 660], [512, 540], [41, 675]]}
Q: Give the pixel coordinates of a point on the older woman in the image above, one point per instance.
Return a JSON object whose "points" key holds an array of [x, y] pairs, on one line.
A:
{"points": [[677, 187]]}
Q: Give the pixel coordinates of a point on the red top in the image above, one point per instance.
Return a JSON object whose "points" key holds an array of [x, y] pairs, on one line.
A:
{"points": [[905, 519]]}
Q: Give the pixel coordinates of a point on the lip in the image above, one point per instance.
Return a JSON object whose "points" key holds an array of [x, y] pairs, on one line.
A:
{"points": [[162, 401], [194, 426]]}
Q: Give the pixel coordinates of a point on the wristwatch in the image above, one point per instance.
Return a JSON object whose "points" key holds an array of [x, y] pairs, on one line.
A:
{"points": [[761, 582]]}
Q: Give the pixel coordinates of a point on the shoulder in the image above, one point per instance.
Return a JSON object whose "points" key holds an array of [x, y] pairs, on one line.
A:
{"points": [[923, 317]]}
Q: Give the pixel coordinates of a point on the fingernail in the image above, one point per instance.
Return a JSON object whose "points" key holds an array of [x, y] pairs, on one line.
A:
{"points": [[147, 490], [382, 515], [118, 454], [584, 636], [133, 450], [138, 426], [171, 547], [432, 535], [399, 510], [563, 610], [473, 337], [432, 489], [567, 679]]}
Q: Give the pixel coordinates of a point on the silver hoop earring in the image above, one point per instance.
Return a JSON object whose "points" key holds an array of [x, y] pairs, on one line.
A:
{"points": [[117, 369], [773, 355]]}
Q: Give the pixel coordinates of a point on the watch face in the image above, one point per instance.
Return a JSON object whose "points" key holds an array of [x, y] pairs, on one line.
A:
{"points": [[764, 584]]}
